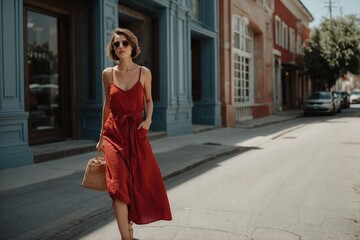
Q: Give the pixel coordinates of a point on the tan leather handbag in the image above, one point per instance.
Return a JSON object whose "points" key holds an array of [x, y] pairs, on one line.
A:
{"points": [[95, 174]]}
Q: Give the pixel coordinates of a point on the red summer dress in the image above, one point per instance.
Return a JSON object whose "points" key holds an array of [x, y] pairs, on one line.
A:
{"points": [[132, 172]]}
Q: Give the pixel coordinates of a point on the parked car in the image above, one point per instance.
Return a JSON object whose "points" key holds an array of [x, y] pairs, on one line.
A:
{"points": [[322, 102], [355, 96], [345, 98]]}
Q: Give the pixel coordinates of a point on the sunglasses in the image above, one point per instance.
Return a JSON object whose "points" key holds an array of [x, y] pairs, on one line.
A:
{"points": [[124, 43]]}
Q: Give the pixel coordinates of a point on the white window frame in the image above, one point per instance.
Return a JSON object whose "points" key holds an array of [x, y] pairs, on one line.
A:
{"points": [[285, 37], [242, 62], [299, 48], [292, 39], [277, 31]]}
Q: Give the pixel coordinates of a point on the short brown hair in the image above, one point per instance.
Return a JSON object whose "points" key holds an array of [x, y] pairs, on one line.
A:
{"points": [[129, 36]]}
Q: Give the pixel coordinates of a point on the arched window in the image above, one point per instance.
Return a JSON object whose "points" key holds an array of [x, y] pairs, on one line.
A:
{"points": [[243, 45]]}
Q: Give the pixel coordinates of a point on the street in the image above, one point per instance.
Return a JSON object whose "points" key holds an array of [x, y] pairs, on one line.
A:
{"points": [[294, 179], [300, 180]]}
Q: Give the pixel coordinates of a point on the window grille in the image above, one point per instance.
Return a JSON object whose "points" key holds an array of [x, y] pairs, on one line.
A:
{"points": [[243, 47]]}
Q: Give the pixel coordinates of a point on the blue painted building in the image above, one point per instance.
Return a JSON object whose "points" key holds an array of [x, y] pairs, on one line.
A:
{"points": [[52, 53]]}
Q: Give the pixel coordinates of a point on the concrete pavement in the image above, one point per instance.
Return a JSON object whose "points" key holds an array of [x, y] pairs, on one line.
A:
{"points": [[39, 201]]}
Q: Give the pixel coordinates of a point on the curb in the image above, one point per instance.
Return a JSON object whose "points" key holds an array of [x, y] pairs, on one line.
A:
{"points": [[250, 126]]}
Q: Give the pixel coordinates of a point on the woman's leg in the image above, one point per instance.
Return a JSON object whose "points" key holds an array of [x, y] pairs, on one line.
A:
{"points": [[131, 232], [121, 214]]}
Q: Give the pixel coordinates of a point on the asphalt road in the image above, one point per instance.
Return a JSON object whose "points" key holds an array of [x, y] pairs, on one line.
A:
{"points": [[300, 181]]}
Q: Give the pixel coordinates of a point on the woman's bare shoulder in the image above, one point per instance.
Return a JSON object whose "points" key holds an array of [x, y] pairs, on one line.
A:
{"points": [[107, 74], [146, 72], [107, 71]]}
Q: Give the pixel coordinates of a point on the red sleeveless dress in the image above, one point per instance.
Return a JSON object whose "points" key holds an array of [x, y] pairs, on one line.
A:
{"points": [[132, 172]]}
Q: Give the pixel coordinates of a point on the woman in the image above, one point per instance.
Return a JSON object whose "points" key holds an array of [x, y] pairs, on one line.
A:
{"points": [[133, 177]]}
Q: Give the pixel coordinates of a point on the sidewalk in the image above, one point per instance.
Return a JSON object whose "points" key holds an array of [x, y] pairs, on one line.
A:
{"points": [[39, 199]]}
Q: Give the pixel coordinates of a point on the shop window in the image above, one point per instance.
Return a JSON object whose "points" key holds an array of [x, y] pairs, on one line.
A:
{"points": [[43, 65]]}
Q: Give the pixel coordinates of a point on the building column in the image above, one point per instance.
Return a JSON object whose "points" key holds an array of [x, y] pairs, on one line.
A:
{"points": [[14, 145], [228, 113], [175, 105], [101, 21]]}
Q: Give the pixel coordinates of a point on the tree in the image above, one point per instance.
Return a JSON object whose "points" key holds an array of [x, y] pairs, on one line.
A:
{"points": [[334, 50]]}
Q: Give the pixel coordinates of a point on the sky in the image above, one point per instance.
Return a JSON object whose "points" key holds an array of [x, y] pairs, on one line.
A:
{"points": [[320, 9]]}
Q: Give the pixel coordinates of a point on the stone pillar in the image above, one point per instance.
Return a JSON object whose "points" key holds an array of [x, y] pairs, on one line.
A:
{"points": [[175, 105], [14, 146], [105, 14]]}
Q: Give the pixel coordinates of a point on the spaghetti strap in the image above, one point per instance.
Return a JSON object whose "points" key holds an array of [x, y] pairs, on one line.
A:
{"points": [[113, 76], [139, 73]]}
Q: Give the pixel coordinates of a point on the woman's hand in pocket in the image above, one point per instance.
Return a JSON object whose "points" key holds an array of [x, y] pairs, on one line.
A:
{"points": [[145, 124]]}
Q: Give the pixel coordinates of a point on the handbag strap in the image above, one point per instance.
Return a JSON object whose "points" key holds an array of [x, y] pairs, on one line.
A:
{"points": [[96, 159]]}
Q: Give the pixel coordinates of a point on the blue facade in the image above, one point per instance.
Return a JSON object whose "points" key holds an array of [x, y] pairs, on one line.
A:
{"points": [[187, 69], [14, 147], [175, 111]]}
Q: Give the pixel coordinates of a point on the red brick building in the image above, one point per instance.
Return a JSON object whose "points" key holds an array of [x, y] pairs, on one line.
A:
{"points": [[291, 33]]}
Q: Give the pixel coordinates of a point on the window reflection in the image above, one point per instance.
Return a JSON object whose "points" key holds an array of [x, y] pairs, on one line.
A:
{"points": [[43, 68]]}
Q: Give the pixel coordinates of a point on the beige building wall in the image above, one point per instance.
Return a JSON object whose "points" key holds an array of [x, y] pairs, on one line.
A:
{"points": [[258, 15]]}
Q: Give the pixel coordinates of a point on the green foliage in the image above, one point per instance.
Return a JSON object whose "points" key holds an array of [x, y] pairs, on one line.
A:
{"points": [[334, 49]]}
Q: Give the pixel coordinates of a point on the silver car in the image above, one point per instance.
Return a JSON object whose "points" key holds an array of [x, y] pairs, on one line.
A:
{"points": [[322, 102], [355, 96]]}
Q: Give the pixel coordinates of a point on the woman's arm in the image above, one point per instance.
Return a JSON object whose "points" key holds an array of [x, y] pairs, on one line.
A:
{"points": [[107, 78], [149, 105]]}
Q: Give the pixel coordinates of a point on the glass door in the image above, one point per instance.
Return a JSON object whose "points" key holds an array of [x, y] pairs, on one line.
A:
{"points": [[43, 77]]}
